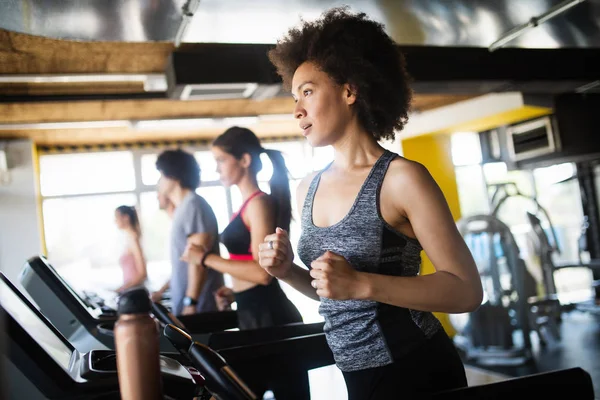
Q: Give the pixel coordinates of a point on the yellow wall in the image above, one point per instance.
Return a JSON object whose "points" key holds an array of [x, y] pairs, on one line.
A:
{"points": [[38, 194], [434, 152]]}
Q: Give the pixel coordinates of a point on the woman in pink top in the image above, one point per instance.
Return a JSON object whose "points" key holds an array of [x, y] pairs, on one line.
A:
{"points": [[132, 261]]}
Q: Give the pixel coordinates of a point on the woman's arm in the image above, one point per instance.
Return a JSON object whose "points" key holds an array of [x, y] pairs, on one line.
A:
{"points": [[260, 218], [455, 287], [139, 263], [157, 296], [278, 261], [299, 278], [239, 269]]}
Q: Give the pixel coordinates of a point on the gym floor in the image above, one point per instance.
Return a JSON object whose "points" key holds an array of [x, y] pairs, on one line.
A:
{"points": [[579, 347]]}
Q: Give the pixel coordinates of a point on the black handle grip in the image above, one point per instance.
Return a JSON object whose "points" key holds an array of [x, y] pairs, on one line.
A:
{"points": [[180, 339], [221, 380], [165, 317]]}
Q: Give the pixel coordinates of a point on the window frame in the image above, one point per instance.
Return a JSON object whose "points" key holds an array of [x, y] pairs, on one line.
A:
{"points": [[141, 188]]}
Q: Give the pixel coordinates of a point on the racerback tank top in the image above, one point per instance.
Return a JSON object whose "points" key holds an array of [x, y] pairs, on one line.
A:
{"points": [[365, 334]]}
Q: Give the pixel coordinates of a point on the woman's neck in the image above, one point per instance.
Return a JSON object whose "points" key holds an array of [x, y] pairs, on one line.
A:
{"points": [[248, 186], [131, 231], [355, 149]]}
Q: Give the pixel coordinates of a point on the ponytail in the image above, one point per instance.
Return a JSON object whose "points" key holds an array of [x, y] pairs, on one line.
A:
{"points": [[280, 188]]}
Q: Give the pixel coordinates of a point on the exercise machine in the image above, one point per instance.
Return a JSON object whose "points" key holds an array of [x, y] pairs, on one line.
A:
{"points": [[224, 383], [43, 364], [498, 333], [89, 324], [546, 250]]}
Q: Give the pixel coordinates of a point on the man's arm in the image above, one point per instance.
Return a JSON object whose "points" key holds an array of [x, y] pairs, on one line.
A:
{"points": [[197, 273], [157, 296]]}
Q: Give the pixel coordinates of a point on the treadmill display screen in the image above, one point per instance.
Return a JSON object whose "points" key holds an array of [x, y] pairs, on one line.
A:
{"points": [[35, 326], [51, 269], [89, 304]]}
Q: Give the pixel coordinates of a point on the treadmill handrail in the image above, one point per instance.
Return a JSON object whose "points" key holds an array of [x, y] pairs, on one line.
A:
{"points": [[228, 339], [546, 385], [220, 379], [165, 317], [297, 346]]}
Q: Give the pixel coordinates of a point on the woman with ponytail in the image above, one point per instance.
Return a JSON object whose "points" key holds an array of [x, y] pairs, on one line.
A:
{"points": [[132, 261], [260, 300]]}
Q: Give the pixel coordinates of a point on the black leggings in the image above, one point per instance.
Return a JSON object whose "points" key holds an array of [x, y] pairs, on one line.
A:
{"points": [[262, 307], [433, 367]]}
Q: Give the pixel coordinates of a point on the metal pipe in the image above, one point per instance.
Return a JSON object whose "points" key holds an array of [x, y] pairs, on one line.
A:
{"points": [[533, 22], [188, 10]]}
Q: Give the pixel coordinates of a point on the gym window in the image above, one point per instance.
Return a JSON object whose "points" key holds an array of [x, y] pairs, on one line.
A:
{"points": [[80, 191]]}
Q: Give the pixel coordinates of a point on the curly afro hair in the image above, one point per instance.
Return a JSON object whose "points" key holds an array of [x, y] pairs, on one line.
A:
{"points": [[352, 49]]}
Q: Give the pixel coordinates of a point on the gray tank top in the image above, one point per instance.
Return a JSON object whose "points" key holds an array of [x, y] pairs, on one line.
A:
{"points": [[366, 334]]}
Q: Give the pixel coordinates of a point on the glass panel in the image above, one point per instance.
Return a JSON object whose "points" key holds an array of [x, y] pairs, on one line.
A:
{"points": [[562, 200], [555, 174], [472, 192], [267, 169], [295, 154], [208, 166], [156, 226], [236, 198], [65, 174], [217, 198], [495, 172], [466, 149], [498, 173], [322, 156], [82, 230], [150, 174]]}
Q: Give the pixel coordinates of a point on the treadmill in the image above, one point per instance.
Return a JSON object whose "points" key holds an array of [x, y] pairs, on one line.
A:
{"points": [[88, 323], [90, 327], [40, 363]]}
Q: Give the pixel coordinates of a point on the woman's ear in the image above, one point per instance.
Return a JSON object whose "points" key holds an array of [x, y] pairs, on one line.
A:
{"points": [[349, 94], [246, 160]]}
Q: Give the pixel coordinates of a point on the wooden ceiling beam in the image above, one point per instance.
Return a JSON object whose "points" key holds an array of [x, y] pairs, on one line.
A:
{"points": [[28, 54], [164, 109], [139, 109], [66, 137]]}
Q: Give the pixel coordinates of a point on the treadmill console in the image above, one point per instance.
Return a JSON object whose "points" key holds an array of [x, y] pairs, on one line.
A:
{"points": [[95, 369], [40, 330], [86, 320], [38, 276]]}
